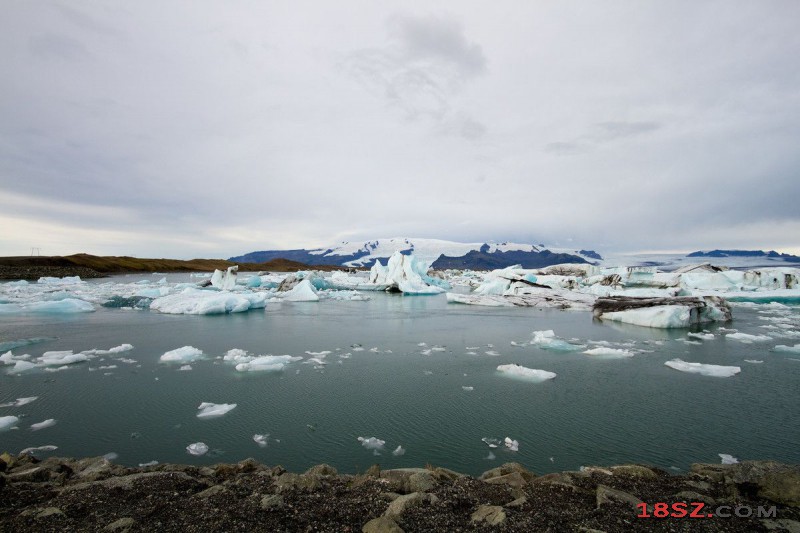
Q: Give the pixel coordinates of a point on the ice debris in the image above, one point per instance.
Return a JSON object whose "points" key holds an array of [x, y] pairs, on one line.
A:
{"points": [[728, 459], [524, 373], [511, 444], [716, 371], [261, 440], [788, 349], [8, 422], [547, 340], [50, 422], [213, 410], [198, 448], [372, 443], [603, 352], [193, 301], [399, 451], [185, 354], [20, 402]]}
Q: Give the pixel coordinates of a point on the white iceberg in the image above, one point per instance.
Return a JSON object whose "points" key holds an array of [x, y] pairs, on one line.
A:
{"points": [[65, 306], [266, 363], [225, 280], [716, 371], [21, 366], [399, 451], [490, 442], [8, 422], [527, 374], [788, 349], [261, 440], [45, 448], [748, 338], [193, 301], [604, 352], [511, 444], [728, 459], [302, 292], [407, 274], [213, 410], [50, 422], [64, 357], [185, 368], [186, 354], [198, 448], [372, 443], [547, 340]]}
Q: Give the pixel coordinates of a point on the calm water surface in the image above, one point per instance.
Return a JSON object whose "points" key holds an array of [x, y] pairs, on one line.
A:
{"points": [[594, 412]]}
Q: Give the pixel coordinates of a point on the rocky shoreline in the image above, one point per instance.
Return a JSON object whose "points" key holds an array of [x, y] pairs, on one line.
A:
{"points": [[93, 494]]}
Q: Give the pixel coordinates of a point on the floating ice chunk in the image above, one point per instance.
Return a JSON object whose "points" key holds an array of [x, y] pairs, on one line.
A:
{"points": [[8, 422], [65, 357], [213, 410], [20, 402], [716, 371], [492, 443], [511, 444], [747, 338], [603, 352], [111, 456], [224, 280], [466, 388], [45, 448], [149, 463], [728, 459], [702, 336], [192, 301], [50, 422], [753, 361], [399, 451], [302, 292], [116, 349], [321, 354], [261, 440], [67, 305], [186, 354], [490, 457], [524, 373], [267, 363], [185, 368], [372, 443], [788, 349], [198, 448], [547, 340], [492, 353], [66, 280]]}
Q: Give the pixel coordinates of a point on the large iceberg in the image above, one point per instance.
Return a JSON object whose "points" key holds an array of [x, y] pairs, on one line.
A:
{"points": [[716, 371], [407, 274], [193, 301]]}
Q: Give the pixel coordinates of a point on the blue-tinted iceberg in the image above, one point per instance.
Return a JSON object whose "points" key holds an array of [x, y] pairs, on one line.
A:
{"points": [[407, 274], [214, 410]]}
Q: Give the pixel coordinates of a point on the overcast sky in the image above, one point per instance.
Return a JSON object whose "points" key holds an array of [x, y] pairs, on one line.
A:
{"points": [[186, 129]]}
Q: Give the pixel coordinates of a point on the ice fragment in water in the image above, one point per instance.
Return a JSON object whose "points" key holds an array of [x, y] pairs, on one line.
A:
{"points": [[212, 410], [198, 448], [50, 422]]}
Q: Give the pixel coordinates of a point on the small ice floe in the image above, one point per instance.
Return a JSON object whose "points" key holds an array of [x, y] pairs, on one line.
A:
{"points": [[63, 357], [372, 443], [302, 292], [747, 338], [374, 349], [357, 348], [107, 367], [753, 361], [609, 353], [32, 451], [788, 349], [111, 456], [149, 463], [20, 402], [547, 340], [127, 361], [185, 354], [528, 374], [467, 388], [519, 344], [728, 459], [426, 352], [322, 353], [198, 448], [511, 444], [268, 363], [716, 371], [427, 372], [492, 353], [213, 410], [184, 368], [399, 451], [50, 422], [693, 343], [261, 440], [8, 422], [492, 443], [702, 336], [115, 350], [438, 348], [490, 457], [472, 348], [345, 355]]}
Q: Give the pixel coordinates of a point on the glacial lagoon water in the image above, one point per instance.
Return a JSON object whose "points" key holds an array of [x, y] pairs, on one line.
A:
{"points": [[596, 411]]}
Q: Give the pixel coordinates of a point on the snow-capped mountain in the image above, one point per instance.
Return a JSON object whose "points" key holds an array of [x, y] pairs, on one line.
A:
{"points": [[441, 253]]}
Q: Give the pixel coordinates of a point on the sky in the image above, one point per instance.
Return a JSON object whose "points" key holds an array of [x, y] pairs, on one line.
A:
{"points": [[210, 129]]}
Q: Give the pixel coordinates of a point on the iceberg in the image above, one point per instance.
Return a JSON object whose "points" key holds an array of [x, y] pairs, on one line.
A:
{"points": [[747, 338], [511, 444], [21, 366], [65, 306], [547, 340], [261, 440], [407, 274], [266, 363], [302, 292], [186, 354], [20, 402], [213, 410], [225, 280], [716, 371], [399, 451], [8, 422], [788, 349], [193, 301], [524, 373], [198, 448], [59, 358], [66, 280], [663, 312], [50, 422], [372, 443], [604, 352], [728, 459]]}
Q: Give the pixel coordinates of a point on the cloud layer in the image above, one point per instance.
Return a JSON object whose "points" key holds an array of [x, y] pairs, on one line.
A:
{"points": [[185, 130]]}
